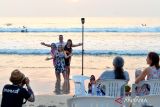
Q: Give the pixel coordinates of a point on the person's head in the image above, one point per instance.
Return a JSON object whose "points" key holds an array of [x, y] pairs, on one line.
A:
{"points": [[153, 59], [118, 64], [61, 38], [92, 78], [17, 77], [60, 48], [53, 46], [69, 42]]}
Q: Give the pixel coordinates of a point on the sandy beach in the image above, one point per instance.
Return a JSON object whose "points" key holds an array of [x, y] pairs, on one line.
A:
{"points": [[41, 72], [48, 101]]}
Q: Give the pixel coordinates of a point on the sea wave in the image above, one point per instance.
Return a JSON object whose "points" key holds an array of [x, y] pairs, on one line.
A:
{"points": [[105, 29], [75, 52]]}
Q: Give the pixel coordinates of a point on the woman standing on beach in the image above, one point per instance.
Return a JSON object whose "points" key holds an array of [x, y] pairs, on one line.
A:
{"points": [[68, 50], [59, 62]]}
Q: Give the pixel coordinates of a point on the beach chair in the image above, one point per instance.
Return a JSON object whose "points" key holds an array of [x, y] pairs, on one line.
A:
{"points": [[94, 101], [154, 86], [79, 85], [113, 88]]}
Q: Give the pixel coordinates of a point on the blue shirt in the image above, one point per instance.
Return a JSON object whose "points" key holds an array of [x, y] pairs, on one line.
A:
{"points": [[109, 74]]}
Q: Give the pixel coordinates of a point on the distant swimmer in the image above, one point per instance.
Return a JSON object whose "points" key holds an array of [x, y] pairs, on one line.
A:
{"points": [[24, 29], [143, 25], [9, 24]]}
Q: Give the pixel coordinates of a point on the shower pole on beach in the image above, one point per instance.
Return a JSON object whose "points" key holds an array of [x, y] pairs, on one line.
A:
{"points": [[82, 21]]}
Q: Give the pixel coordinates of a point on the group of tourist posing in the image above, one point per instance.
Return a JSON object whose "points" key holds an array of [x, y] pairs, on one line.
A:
{"points": [[61, 53]]}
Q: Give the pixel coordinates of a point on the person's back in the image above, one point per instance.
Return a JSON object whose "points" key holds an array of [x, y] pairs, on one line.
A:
{"points": [[13, 96], [116, 73], [110, 74]]}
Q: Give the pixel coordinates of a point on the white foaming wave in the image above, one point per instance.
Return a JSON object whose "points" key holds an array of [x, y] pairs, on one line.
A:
{"points": [[105, 29], [76, 52]]}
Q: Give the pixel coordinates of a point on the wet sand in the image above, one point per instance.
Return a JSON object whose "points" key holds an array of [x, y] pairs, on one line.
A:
{"points": [[48, 101], [41, 72]]}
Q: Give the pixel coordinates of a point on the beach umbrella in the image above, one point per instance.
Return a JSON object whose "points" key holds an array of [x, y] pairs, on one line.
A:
{"points": [[82, 21]]}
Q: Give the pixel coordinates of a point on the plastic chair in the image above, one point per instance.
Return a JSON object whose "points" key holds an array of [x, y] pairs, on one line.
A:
{"points": [[79, 85], [113, 88], [94, 101], [154, 86]]}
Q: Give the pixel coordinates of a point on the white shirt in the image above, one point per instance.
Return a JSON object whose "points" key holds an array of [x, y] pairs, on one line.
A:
{"points": [[60, 43]]}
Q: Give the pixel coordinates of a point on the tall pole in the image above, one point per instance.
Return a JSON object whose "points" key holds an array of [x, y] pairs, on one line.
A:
{"points": [[82, 21]]}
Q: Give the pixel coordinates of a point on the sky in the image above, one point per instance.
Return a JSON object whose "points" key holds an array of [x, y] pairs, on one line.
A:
{"points": [[80, 8]]}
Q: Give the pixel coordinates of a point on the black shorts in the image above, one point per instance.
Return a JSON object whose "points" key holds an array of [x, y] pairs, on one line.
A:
{"points": [[67, 62]]}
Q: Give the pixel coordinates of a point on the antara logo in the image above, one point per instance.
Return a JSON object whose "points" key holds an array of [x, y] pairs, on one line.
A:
{"points": [[11, 91]]}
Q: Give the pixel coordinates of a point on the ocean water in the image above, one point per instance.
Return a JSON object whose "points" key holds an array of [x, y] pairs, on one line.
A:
{"points": [[132, 38], [103, 36]]}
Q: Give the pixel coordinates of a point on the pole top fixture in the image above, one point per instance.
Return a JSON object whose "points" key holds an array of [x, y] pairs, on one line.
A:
{"points": [[82, 20]]}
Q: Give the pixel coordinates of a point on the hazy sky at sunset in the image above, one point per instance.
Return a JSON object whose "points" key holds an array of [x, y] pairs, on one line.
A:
{"points": [[68, 8]]}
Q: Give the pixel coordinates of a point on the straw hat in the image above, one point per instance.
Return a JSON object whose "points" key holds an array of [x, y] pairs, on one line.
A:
{"points": [[17, 77]]}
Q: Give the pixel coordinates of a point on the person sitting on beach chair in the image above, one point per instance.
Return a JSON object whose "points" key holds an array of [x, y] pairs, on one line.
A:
{"points": [[117, 73], [91, 83], [93, 87], [13, 95], [151, 72]]}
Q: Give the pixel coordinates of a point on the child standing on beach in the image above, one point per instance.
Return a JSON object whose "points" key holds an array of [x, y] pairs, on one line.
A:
{"points": [[91, 84], [53, 50], [59, 62]]}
